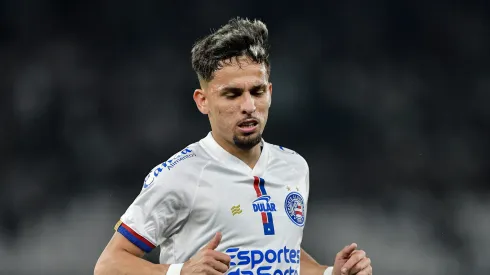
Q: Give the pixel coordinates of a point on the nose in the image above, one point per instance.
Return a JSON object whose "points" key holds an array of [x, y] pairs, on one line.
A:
{"points": [[248, 104]]}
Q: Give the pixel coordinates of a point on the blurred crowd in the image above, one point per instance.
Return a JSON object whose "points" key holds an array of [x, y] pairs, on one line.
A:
{"points": [[387, 100]]}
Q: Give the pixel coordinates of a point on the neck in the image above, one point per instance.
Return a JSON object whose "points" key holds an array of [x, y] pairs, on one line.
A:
{"points": [[249, 157]]}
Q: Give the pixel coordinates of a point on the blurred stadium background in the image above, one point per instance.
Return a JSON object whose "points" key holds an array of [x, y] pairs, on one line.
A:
{"points": [[387, 100]]}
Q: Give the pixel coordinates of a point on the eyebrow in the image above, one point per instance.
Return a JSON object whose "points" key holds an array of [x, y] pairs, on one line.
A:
{"points": [[232, 89]]}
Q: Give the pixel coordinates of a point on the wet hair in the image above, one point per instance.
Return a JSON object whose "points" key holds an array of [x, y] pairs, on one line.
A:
{"points": [[238, 38]]}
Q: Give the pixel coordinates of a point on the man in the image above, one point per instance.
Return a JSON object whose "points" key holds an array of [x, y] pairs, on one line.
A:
{"points": [[231, 202]]}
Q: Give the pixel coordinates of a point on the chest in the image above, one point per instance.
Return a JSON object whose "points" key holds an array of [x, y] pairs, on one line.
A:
{"points": [[251, 209]]}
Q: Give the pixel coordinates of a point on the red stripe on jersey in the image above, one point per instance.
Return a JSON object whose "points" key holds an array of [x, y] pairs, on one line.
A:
{"points": [[256, 186], [264, 217]]}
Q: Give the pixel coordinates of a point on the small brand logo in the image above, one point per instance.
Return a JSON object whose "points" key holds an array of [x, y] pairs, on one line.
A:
{"points": [[235, 210]]}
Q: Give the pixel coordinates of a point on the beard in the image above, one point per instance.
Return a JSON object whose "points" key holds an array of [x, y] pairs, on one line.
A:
{"points": [[247, 142]]}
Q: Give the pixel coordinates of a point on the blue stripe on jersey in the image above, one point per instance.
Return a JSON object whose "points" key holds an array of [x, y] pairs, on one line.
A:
{"points": [[261, 186], [134, 239], [269, 226]]}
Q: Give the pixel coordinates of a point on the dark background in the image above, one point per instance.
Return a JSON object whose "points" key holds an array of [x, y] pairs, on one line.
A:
{"points": [[387, 100]]}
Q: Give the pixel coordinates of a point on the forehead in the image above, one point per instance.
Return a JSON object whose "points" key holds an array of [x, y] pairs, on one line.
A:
{"points": [[239, 74]]}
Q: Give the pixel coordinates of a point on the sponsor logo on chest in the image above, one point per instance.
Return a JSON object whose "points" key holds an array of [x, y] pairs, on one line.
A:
{"points": [[263, 204]]}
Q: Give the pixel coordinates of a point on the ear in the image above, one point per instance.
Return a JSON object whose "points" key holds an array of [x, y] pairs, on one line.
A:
{"points": [[201, 101], [269, 87]]}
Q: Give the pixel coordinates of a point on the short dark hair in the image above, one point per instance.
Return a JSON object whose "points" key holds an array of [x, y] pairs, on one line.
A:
{"points": [[239, 37]]}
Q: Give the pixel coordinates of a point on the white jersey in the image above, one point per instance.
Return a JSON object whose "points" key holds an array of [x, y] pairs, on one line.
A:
{"points": [[204, 189]]}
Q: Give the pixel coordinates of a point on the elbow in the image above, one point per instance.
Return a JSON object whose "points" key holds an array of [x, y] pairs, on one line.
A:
{"points": [[102, 266], [99, 269]]}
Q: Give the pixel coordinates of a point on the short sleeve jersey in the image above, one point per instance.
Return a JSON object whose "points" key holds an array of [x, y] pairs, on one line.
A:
{"points": [[203, 189]]}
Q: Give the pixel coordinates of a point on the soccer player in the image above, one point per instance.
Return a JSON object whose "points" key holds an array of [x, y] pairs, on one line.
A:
{"points": [[230, 202]]}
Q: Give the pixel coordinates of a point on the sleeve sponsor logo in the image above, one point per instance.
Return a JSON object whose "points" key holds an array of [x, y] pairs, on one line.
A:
{"points": [[169, 164]]}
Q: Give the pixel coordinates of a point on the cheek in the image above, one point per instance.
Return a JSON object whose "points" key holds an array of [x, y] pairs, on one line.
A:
{"points": [[225, 114], [263, 107], [226, 110]]}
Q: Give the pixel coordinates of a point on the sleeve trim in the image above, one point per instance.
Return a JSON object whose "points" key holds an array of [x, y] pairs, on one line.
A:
{"points": [[135, 238]]}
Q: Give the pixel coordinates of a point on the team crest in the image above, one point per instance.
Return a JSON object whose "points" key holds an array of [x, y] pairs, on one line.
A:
{"points": [[295, 206]]}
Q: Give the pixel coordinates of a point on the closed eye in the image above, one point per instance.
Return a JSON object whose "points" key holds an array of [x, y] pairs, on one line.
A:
{"points": [[231, 92], [258, 89], [231, 95]]}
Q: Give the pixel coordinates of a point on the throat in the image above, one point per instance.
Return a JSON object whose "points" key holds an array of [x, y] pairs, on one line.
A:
{"points": [[249, 156]]}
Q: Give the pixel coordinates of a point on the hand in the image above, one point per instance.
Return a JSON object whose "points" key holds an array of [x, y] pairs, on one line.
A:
{"points": [[208, 261], [350, 261]]}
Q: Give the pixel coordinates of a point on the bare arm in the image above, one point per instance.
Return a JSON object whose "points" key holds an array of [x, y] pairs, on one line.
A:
{"points": [[309, 266], [121, 257]]}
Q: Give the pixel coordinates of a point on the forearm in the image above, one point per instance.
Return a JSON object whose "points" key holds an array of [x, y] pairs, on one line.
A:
{"points": [[124, 263], [309, 266]]}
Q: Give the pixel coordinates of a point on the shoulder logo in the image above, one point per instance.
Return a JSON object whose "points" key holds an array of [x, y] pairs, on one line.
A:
{"points": [[294, 206], [149, 179], [286, 150], [169, 164]]}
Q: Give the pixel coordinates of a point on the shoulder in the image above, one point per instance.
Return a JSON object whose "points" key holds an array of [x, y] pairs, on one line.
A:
{"points": [[289, 156], [182, 168]]}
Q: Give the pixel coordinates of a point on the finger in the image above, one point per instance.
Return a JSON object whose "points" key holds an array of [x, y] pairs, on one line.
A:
{"points": [[211, 271], [214, 242], [366, 271], [345, 253], [353, 260], [219, 256], [218, 266], [361, 265]]}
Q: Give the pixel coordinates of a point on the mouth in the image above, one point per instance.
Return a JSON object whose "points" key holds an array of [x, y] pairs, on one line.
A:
{"points": [[248, 125]]}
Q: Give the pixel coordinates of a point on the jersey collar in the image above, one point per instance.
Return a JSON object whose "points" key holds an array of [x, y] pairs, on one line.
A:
{"points": [[223, 156]]}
